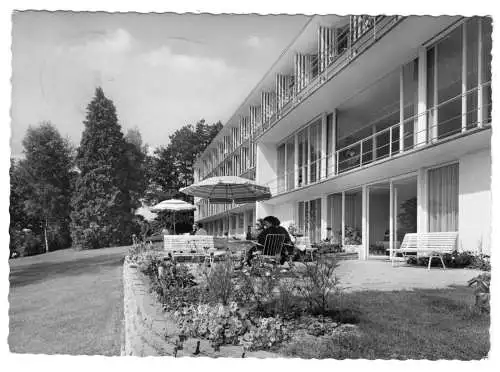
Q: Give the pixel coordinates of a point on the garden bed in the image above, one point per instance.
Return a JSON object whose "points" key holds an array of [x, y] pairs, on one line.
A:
{"points": [[250, 312], [266, 311]]}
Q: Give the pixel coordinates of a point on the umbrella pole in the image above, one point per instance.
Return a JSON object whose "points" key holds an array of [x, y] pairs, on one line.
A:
{"points": [[173, 217], [228, 227]]}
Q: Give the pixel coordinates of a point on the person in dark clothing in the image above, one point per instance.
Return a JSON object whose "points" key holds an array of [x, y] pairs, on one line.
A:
{"points": [[271, 226]]}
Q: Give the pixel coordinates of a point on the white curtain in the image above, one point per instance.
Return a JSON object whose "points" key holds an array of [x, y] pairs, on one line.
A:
{"points": [[443, 199]]}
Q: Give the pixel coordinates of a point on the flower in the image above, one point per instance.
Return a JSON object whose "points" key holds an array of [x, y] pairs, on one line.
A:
{"points": [[233, 306]]}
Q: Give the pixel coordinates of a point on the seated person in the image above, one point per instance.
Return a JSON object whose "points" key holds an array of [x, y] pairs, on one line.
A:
{"points": [[198, 229], [271, 226]]}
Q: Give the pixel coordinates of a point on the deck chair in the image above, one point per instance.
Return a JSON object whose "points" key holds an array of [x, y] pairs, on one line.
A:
{"points": [[271, 250]]}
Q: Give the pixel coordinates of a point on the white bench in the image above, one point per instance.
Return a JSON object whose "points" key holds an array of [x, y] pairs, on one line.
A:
{"points": [[432, 245], [191, 246]]}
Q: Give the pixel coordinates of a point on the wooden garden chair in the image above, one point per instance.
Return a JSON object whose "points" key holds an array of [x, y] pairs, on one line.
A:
{"points": [[271, 250]]}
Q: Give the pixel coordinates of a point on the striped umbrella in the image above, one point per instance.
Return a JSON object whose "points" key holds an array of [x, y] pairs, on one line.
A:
{"points": [[173, 205], [228, 189]]}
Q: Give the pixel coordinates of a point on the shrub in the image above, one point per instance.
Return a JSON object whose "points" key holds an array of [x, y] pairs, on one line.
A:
{"points": [[285, 302], [481, 284], [258, 285], [224, 325], [174, 275], [31, 244], [328, 247], [219, 282], [455, 259], [481, 262], [318, 283]]}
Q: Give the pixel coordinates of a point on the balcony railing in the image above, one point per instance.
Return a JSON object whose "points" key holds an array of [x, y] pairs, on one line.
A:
{"points": [[349, 46], [392, 141], [351, 41]]}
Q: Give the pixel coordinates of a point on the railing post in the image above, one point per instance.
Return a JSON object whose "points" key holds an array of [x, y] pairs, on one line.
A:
{"points": [[337, 162], [361, 153], [390, 141], [374, 28]]}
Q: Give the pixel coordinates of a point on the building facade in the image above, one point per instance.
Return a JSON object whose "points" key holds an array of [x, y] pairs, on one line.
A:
{"points": [[367, 128]]}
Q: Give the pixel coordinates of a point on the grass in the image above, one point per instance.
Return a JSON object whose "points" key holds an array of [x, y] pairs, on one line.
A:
{"points": [[67, 302], [419, 324]]}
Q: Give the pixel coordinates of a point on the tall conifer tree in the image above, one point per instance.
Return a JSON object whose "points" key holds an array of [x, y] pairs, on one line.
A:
{"points": [[103, 210]]}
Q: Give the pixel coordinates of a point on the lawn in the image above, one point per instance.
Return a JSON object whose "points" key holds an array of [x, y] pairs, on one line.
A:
{"points": [[67, 302], [419, 324]]}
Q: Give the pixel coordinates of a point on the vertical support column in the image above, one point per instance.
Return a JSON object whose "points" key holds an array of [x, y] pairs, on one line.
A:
{"points": [[343, 218], [324, 216], [296, 161], [480, 102], [396, 213], [401, 111], [364, 223], [308, 150], [391, 219], [333, 155], [245, 221], [422, 98], [422, 201], [464, 76], [435, 123], [323, 146]]}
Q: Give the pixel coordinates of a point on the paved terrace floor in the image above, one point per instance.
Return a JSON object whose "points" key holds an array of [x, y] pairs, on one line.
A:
{"points": [[357, 275]]}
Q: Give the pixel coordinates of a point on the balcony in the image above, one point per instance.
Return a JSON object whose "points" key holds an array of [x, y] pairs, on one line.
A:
{"points": [[351, 43], [395, 141]]}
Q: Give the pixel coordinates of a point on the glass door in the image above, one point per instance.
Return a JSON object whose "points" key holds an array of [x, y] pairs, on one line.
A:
{"points": [[378, 220], [405, 209]]}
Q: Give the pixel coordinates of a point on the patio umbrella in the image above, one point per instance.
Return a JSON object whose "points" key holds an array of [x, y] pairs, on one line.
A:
{"points": [[228, 189], [173, 205]]}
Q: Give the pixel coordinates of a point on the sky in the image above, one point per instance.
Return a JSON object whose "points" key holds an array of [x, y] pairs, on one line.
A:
{"points": [[162, 71]]}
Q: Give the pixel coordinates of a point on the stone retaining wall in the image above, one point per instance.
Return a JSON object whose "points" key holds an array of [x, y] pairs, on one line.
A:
{"points": [[149, 331], [146, 325]]}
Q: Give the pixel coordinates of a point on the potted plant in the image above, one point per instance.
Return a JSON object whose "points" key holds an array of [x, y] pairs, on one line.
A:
{"points": [[352, 239]]}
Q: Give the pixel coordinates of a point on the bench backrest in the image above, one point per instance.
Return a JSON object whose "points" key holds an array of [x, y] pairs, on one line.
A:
{"points": [[303, 242], [273, 244], [198, 244], [435, 241]]}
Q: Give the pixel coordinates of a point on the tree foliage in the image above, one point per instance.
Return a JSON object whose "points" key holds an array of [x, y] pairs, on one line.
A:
{"points": [[41, 186], [107, 188], [171, 167]]}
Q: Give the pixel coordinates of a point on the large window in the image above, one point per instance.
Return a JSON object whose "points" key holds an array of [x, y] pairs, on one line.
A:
{"points": [[286, 165], [315, 151], [303, 144], [363, 123], [334, 218], [330, 155], [350, 216], [309, 218], [281, 168], [453, 79], [290, 164], [443, 199]]}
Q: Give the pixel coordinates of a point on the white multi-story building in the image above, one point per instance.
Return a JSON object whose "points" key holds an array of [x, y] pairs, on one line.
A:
{"points": [[367, 128]]}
